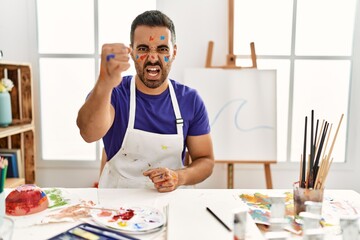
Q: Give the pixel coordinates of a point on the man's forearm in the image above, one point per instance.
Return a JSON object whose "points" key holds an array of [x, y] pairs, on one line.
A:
{"points": [[95, 117], [196, 172]]}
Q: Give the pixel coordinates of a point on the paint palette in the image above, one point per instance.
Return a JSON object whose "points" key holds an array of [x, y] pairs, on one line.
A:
{"points": [[133, 219]]}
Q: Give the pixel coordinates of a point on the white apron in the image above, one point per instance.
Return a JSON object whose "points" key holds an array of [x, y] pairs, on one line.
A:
{"points": [[143, 150]]}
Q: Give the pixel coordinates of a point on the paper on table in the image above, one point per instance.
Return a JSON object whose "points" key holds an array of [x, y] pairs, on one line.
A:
{"points": [[196, 222], [224, 210]]}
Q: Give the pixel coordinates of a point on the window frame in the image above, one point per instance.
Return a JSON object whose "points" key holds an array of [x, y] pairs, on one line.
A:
{"points": [[348, 164], [43, 163]]}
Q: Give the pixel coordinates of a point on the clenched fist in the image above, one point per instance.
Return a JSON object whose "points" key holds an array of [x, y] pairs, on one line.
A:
{"points": [[114, 60]]}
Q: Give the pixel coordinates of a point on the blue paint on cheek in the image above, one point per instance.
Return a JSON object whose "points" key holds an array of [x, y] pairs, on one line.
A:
{"points": [[166, 59], [137, 57]]}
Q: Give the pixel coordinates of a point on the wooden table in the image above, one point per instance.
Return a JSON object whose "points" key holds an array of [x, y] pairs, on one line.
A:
{"points": [[187, 214]]}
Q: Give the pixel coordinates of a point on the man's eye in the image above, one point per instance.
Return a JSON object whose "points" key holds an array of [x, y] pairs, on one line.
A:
{"points": [[163, 50], [142, 49]]}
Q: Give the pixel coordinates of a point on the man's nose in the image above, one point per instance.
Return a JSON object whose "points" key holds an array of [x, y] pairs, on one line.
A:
{"points": [[153, 55]]}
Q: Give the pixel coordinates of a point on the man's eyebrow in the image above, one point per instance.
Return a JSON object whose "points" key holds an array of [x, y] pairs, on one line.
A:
{"points": [[161, 46], [142, 45]]}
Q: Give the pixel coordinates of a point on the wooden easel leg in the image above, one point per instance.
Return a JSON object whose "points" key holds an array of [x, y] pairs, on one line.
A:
{"points": [[268, 176], [253, 55], [209, 54], [230, 181]]}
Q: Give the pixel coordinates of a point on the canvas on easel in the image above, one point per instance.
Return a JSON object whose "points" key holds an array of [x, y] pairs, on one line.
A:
{"points": [[241, 105], [242, 111]]}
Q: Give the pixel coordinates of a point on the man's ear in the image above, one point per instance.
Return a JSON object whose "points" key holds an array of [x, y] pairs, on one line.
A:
{"points": [[174, 51]]}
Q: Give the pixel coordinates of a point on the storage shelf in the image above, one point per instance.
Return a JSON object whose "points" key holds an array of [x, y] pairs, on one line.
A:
{"points": [[20, 134], [14, 182], [12, 130]]}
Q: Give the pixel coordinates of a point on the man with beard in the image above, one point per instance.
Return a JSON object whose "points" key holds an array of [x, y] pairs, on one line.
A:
{"points": [[147, 121]]}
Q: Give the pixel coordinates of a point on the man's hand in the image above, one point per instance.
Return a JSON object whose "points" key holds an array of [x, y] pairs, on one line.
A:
{"points": [[114, 61], [164, 179]]}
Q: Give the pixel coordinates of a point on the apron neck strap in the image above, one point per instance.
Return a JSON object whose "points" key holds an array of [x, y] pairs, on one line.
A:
{"points": [[179, 120]]}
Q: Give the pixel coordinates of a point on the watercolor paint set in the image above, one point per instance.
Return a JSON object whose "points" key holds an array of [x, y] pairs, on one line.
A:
{"points": [[89, 231]]}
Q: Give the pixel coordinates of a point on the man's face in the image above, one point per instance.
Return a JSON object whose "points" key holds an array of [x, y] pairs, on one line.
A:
{"points": [[153, 54]]}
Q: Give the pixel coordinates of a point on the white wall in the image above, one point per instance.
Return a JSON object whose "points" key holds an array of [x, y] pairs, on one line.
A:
{"points": [[196, 22]]}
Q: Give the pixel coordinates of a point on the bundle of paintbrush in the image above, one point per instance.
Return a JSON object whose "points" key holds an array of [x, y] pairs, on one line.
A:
{"points": [[315, 165]]}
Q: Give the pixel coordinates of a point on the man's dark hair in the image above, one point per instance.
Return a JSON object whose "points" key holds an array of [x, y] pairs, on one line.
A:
{"points": [[153, 18]]}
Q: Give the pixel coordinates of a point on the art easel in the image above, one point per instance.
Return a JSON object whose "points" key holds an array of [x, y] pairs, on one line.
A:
{"points": [[231, 57], [231, 64]]}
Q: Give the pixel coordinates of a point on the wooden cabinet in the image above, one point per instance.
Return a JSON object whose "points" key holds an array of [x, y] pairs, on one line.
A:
{"points": [[20, 134]]}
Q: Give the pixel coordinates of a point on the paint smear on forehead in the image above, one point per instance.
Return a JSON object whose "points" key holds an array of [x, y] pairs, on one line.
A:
{"points": [[152, 38]]}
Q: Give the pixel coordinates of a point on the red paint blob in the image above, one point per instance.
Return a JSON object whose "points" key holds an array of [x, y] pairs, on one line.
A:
{"points": [[127, 215]]}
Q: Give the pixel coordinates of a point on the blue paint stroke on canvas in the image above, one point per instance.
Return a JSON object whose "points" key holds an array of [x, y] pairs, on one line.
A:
{"points": [[242, 103]]}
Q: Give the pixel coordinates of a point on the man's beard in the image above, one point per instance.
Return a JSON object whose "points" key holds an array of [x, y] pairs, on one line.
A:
{"points": [[152, 83]]}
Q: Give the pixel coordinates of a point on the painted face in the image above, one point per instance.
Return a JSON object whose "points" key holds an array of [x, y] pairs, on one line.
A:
{"points": [[153, 54]]}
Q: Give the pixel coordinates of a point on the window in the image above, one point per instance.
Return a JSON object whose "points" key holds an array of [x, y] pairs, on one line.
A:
{"points": [[309, 43], [70, 36]]}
